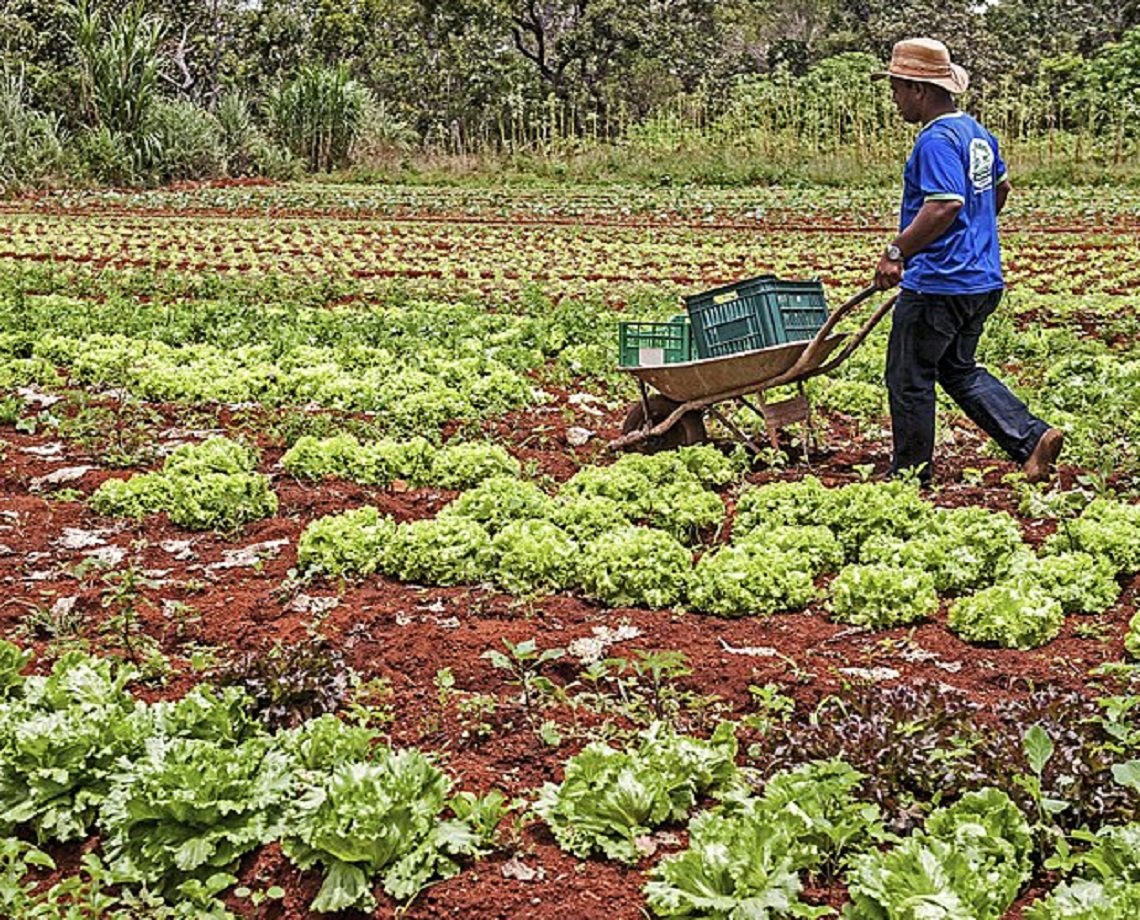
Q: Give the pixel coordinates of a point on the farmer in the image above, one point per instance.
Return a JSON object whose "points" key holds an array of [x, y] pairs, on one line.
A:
{"points": [[947, 260]]}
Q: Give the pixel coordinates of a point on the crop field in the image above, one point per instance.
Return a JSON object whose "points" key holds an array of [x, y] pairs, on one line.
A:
{"points": [[322, 591]]}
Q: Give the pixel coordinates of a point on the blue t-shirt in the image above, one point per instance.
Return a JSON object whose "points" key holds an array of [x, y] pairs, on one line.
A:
{"points": [[955, 159]]}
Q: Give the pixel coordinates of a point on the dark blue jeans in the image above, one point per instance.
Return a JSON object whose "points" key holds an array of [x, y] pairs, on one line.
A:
{"points": [[934, 338]]}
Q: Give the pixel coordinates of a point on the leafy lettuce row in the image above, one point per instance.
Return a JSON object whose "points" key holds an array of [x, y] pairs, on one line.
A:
{"points": [[413, 392], [417, 461], [621, 534], [204, 486], [179, 792]]}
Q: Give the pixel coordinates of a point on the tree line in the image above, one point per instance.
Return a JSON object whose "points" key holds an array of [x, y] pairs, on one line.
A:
{"points": [[93, 90]]}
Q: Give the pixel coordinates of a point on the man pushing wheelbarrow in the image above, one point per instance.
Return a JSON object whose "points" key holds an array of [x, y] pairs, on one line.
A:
{"points": [[947, 260]]}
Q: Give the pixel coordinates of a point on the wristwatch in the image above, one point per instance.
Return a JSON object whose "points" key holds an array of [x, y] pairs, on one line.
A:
{"points": [[894, 254]]}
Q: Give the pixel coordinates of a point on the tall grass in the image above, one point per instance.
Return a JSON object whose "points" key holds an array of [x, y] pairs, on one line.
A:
{"points": [[318, 115]]}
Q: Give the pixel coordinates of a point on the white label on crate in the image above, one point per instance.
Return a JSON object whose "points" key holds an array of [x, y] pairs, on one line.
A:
{"points": [[727, 297], [650, 357]]}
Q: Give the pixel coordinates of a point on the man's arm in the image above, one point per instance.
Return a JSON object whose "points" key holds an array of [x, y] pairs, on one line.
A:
{"points": [[932, 221], [1002, 192]]}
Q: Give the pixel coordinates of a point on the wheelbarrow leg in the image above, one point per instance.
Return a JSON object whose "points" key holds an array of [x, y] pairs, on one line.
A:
{"points": [[741, 436], [769, 425], [809, 426], [648, 416]]}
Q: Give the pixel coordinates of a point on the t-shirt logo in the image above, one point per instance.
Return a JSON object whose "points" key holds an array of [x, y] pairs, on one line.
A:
{"points": [[981, 165]]}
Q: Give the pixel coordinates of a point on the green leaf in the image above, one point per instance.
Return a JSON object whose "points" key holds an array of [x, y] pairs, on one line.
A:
{"points": [[497, 659], [1038, 748], [1127, 773], [345, 885]]}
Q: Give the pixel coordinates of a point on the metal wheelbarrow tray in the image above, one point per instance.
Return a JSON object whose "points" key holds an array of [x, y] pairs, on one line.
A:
{"points": [[687, 390]]}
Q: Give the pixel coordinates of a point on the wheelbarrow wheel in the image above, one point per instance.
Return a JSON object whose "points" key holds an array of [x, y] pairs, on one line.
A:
{"points": [[689, 429]]}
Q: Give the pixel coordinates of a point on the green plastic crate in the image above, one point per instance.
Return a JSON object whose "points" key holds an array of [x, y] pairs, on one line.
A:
{"points": [[654, 344], [755, 313]]}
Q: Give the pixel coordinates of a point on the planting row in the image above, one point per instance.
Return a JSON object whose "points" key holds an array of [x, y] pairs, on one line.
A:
{"points": [[1040, 208], [512, 255], [179, 792], [619, 534]]}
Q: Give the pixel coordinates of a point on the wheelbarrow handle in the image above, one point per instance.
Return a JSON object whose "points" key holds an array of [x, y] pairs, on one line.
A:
{"points": [[808, 356]]}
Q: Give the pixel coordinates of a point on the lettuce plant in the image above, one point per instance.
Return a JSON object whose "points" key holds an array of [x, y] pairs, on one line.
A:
{"points": [[60, 742], [882, 596], [188, 809], [211, 485], [588, 516], [971, 860], [778, 504], [463, 466], [447, 550], [1080, 582], [608, 798], [534, 556], [359, 819], [744, 857], [1109, 886], [815, 544], [750, 579], [357, 542], [496, 502], [635, 566], [1011, 615], [1087, 900], [684, 509], [964, 549], [1105, 528], [1132, 637], [864, 510]]}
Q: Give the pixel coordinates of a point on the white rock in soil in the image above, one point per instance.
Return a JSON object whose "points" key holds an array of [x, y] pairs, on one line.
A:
{"points": [[63, 607], [190, 434], [583, 399], [756, 651], [306, 603], [872, 674], [78, 538], [179, 549], [108, 556], [6, 550], [576, 436], [515, 868], [36, 397], [249, 555], [59, 477], [44, 451], [591, 649]]}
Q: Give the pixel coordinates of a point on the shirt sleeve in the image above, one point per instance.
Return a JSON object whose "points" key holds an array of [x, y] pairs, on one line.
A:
{"points": [[941, 174]]}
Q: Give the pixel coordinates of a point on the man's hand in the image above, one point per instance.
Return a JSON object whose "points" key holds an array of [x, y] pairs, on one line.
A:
{"points": [[888, 273], [932, 221]]}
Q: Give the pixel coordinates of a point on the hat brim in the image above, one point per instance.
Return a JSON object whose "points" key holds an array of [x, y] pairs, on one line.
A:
{"points": [[956, 83]]}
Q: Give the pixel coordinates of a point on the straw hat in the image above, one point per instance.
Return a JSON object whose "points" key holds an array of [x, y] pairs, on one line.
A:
{"points": [[925, 60]]}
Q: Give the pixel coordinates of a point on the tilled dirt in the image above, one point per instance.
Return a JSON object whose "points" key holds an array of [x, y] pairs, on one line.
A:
{"points": [[234, 593]]}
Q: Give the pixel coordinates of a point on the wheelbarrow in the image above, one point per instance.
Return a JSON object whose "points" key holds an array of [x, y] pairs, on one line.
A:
{"points": [[674, 416]]}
